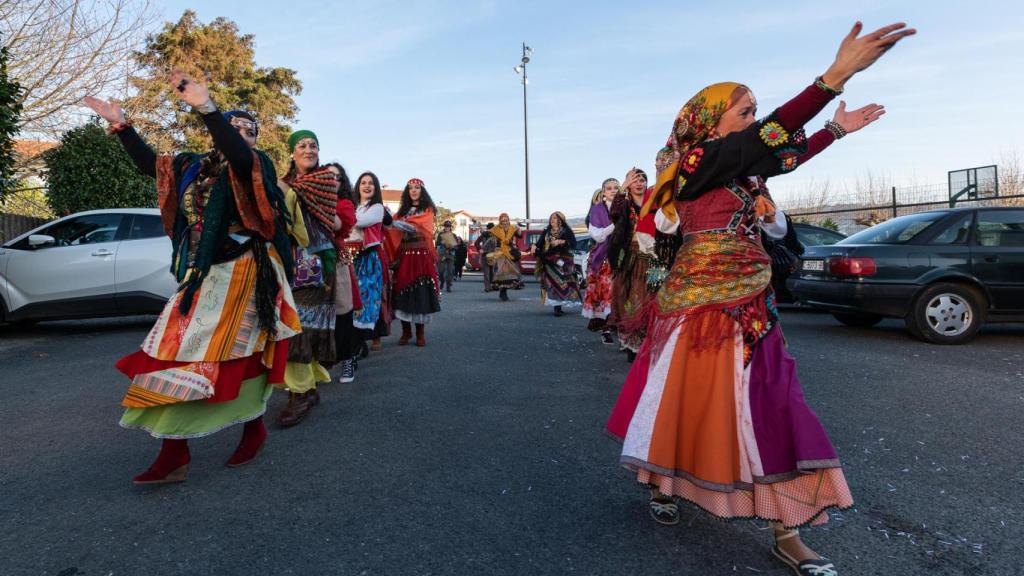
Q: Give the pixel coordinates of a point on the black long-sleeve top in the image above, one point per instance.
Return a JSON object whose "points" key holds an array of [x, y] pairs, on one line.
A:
{"points": [[564, 234], [226, 139]]}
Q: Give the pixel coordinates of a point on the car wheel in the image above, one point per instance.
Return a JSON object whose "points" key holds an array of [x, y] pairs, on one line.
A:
{"points": [[947, 314], [857, 319]]}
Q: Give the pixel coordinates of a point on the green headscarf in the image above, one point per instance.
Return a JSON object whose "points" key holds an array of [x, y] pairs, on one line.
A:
{"points": [[298, 136]]}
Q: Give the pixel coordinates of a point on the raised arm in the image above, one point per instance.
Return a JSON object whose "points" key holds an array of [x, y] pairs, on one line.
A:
{"points": [[140, 152]]}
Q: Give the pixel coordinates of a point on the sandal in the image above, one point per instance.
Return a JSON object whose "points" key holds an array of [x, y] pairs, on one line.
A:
{"points": [[816, 567], [664, 511]]}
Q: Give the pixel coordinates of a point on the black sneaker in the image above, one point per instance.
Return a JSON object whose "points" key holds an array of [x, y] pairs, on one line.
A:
{"points": [[348, 371], [606, 338]]}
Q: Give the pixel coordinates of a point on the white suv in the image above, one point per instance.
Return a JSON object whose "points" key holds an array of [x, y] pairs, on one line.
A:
{"points": [[97, 263]]}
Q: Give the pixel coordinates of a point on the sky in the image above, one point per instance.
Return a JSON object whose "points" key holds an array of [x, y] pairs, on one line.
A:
{"points": [[427, 89]]}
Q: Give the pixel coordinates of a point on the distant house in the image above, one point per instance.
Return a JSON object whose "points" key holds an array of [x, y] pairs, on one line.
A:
{"points": [[392, 199], [28, 159]]}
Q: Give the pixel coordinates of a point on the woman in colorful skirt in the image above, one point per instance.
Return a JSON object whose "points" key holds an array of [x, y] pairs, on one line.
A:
{"points": [[416, 291], [312, 353], [712, 411], [367, 236], [504, 261], [555, 264], [346, 287], [222, 339], [632, 255], [597, 303]]}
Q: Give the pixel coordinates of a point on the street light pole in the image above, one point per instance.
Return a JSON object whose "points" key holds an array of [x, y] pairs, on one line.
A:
{"points": [[521, 70]]}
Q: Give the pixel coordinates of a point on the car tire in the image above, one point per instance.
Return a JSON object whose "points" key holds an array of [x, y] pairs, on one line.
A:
{"points": [[947, 313], [857, 319]]}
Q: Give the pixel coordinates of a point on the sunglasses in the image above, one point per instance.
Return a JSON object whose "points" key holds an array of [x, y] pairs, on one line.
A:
{"points": [[250, 127]]}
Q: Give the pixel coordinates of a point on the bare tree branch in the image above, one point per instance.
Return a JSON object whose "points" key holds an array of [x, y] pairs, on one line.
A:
{"points": [[62, 50]]}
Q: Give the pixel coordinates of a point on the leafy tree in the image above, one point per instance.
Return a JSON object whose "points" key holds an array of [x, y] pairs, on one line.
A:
{"points": [[225, 59], [27, 200], [440, 215], [10, 109], [90, 170]]}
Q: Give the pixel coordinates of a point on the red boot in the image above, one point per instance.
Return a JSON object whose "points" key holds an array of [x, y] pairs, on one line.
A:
{"points": [[171, 464], [406, 333], [254, 435]]}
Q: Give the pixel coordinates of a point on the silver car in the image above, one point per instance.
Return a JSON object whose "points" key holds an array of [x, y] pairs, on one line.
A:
{"points": [[97, 263]]}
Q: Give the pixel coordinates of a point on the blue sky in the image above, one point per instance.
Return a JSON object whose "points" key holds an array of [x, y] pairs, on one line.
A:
{"points": [[426, 89]]}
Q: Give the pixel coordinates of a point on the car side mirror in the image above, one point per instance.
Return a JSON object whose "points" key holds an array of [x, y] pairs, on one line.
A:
{"points": [[40, 240]]}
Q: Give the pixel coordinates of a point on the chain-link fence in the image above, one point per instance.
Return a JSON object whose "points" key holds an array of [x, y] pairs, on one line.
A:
{"points": [[851, 212]]}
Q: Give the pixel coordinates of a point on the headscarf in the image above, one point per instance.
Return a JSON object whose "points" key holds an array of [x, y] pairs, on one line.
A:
{"points": [[415, 181], [549, 232], [298, 136], [505, 237], [693, 125]]}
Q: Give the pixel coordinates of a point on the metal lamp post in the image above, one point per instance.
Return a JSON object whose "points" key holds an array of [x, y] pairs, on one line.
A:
{"points": [[521, 70]]}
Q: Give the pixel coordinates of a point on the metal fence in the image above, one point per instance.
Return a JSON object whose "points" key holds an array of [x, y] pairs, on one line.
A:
{"points": [[849, 213]]}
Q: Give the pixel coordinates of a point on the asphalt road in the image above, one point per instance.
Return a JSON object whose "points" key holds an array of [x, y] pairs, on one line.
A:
{"points": [[484, 453]]}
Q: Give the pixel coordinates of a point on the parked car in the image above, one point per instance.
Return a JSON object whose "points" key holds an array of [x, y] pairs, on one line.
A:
{"points": [[96, 263], [945, 272], [580, 257], [806, 235], [529, 237]]}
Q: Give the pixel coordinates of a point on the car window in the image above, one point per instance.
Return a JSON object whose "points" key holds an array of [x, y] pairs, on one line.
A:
{"points": [[532, 238], [584, 244], [87, 229], [895, 231], [1001, 228], [956, 232], [146, 226], [813, 237]]}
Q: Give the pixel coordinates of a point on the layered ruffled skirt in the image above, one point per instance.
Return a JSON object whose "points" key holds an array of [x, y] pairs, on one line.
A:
{"points": [[201, 371], [712, 411], [597, 303]]}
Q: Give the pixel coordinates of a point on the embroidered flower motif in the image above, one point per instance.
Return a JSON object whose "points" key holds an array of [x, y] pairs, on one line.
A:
{"points": [[789, 159], [692, 160], [680, 183], [773, 134]]}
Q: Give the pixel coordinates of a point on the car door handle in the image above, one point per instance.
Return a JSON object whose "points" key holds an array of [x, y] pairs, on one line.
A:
{"points": [[103, 252], [991, 258]]}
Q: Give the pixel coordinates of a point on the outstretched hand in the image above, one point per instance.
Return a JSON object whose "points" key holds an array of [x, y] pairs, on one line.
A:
{"points": [[183, 86], [109, 110], [857, 52], [853, 120]]}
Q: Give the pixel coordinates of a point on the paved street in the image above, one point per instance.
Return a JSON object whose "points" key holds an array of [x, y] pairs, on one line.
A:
{"points": [[484, 454]]}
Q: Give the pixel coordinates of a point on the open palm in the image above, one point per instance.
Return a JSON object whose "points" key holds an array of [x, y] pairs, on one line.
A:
{"points": [[109, 110], [853, 120]]}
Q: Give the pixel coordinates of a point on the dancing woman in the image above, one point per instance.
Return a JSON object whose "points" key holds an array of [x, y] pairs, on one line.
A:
{"points": [[368, 234], [346, 287], [712, 411], [597, 304], [505, 272], [555, 264], [632, 256], [222, 339], [416, 292], [312, 353]]}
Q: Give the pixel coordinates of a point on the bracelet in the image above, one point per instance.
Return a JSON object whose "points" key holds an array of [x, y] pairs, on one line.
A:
{"points": [[119, 127], [835, 129], [207, 107], [821, 84]]}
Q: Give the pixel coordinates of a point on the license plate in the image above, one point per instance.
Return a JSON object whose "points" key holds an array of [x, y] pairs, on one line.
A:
{"points": [[814, 265]]}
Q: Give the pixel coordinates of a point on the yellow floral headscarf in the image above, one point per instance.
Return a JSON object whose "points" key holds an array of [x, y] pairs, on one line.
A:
{"points": [[694, 124]]}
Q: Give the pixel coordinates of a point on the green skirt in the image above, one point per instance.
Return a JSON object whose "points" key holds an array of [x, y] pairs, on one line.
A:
{"points": [[201, 418]]}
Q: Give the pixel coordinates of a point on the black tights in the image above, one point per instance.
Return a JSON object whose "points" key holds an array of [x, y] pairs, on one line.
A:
{"points": [[344, 336]]}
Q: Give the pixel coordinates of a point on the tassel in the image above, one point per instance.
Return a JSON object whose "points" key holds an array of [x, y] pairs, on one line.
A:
{"points": [[266, 288], [764, 208]]}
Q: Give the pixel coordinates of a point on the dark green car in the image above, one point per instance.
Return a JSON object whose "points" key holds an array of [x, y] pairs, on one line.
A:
{"points": [[945, 272]]}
